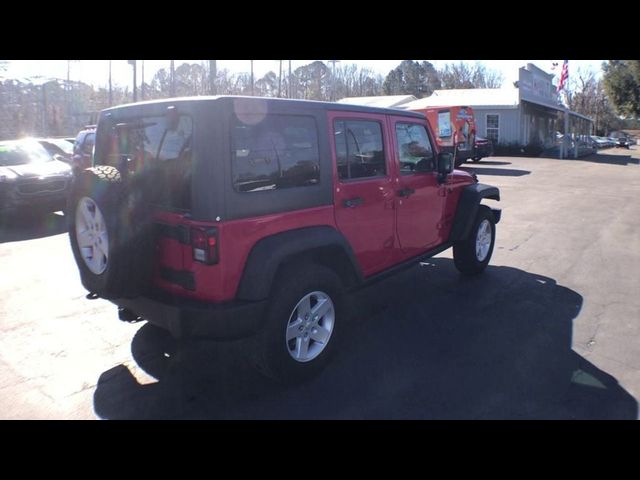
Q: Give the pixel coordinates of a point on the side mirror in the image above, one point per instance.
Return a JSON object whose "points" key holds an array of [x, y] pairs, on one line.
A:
{"points": [[57, 156], [445, 163]]}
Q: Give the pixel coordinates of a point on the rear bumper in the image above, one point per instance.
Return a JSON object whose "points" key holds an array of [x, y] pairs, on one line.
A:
{"points": [[191, 319]]}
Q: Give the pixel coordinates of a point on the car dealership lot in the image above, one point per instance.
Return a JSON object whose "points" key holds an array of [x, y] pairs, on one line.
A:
{"points": [[550, 330]]}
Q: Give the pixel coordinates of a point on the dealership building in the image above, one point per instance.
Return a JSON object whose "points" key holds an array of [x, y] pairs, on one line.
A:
{"points": [[527, 113]]}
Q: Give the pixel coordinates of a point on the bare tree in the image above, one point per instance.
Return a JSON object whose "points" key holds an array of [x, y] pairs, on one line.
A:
{"points": [[352, 81], [462, 75], [589, 98]]}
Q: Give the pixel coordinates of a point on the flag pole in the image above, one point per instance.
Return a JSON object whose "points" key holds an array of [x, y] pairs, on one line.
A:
{"points": [[564, 77], [565, 139]]}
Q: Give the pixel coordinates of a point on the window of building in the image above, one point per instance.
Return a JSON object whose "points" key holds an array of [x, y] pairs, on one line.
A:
{"points": [[413, 148], [359, 149], [493, 127], [281, 151]]}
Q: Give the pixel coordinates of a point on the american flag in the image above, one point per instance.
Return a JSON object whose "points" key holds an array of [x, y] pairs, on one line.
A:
{"points": [[564, 75]]}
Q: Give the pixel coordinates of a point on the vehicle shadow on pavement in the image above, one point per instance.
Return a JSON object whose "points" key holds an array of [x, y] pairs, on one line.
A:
{"points": [[424, 344], [607, 158], [622, 159], [510, 172], [483, 161], [18, 228]]}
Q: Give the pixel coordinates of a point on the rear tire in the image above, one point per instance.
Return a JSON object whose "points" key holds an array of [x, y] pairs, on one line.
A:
{"points": [[304, 319], [471, 256]]}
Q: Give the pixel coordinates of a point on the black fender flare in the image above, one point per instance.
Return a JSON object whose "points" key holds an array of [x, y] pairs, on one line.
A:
{"points": [[269, 253], [468, 205]]}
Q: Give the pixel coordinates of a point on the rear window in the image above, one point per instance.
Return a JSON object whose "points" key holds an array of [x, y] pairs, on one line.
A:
{"points": [[147, 141], [157, 146], [279, 151]]}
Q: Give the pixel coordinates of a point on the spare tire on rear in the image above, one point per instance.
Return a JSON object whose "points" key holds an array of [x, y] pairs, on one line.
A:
{"points": [[110, 233]]}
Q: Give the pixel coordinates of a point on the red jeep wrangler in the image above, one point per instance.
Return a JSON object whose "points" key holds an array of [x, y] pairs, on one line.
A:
{"points": [[224, 217]]}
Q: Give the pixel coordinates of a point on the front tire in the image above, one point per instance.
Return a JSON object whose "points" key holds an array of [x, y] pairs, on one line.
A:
{"points": [[303, 322], [471, 256]]}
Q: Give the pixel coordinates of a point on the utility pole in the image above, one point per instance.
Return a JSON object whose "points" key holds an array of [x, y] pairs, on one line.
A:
{"points": [[213, 73], [597, 108], [252, 78], [110, 86], [280, 79], [289, 94], [44, 113], [142, 84], [135, 92], [172, 91], [68, 89], [333, 80]]}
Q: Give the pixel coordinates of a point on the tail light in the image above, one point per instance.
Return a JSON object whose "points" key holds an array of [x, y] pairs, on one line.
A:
{"points": [[204, 243]]}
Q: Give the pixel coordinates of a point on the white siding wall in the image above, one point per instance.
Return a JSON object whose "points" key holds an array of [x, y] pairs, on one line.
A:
{"points": [[509, 123]]}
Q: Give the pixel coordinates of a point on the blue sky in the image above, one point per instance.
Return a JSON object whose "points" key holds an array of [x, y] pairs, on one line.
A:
{"points": [[95, 72]]}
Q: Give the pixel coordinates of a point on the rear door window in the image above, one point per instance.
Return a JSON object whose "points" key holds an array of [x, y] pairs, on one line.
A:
{"points": [[359, 149]]}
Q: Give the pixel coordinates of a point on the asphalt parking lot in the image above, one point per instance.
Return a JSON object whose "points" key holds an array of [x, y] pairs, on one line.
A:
{"points": [[550, 331]]}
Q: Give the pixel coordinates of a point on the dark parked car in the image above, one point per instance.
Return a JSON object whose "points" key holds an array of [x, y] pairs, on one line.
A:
{"points": [[483, 147], [620, 139], [31, 179], [623, 142]]}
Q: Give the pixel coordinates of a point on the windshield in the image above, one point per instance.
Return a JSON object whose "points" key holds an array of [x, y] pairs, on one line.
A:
{"points": [[60, 145], [22, 153]]}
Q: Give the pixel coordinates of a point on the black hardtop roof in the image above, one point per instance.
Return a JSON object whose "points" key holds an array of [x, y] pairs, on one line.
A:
{"points": [[268, 100]]}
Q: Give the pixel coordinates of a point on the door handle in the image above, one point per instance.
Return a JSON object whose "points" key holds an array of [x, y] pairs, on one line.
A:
{"points": [[353, 202], [406, 192]]}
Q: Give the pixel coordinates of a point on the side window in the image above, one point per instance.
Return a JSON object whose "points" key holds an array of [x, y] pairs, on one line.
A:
{"points": [[89, 140], [359, 149], [281, 151], [414, 148]]}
